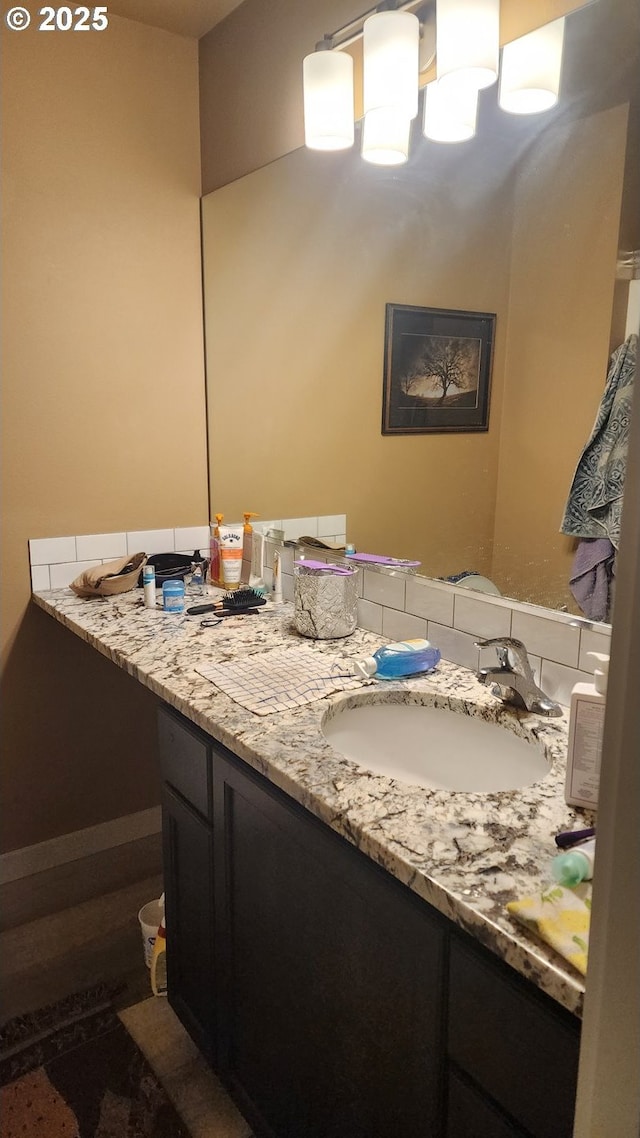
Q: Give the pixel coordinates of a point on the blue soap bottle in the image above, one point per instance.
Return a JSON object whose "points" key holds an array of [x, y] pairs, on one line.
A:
{"points": [[401, 659]]}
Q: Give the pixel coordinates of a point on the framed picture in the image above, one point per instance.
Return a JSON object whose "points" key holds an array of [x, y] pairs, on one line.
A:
{"points": [[437, 370]]}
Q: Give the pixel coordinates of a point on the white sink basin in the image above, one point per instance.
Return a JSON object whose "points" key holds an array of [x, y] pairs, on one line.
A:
{"points": [[434, 747]]}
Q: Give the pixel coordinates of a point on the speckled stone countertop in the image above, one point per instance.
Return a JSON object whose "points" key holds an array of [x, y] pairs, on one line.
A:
{"points": [[466, 854]]}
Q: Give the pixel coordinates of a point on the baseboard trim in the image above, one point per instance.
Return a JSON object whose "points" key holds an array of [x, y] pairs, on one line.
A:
{"points": [[81, 843]]}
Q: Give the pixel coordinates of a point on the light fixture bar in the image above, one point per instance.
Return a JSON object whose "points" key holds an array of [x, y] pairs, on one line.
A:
{"points": [[352, 32]]}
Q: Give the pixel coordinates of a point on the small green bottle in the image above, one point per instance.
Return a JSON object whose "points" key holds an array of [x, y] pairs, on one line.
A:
{"points": [[575, 865]]}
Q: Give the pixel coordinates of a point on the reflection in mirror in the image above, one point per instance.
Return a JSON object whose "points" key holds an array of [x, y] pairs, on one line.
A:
{"points": [[301, 259]]}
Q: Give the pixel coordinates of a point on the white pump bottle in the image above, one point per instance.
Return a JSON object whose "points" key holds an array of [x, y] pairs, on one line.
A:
{"points": [[586, 721]]}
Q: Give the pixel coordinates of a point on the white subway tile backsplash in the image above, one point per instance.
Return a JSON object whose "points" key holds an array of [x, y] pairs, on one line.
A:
{"points": [[263, 527], [63, 575], [299, 527], [370, 616], [101, 546], [331, 524], [592, 641], [402, 625], [552, 639], [557, 681], [288, 557], [287, 586], [480, 617], [383, 589], [40, 578], [151, 541], [427, 600], [458, 647], [52, 550], [191, 537]]}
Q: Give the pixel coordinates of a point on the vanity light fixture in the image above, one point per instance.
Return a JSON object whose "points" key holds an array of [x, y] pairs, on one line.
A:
{"points": [[390, 47], [398, 45], [385, 136], [328, 100], [449, 114], [468, 42], [530, 71]]}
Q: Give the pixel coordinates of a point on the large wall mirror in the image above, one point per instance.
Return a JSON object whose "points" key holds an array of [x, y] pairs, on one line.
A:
{"points": [[301, 259]]}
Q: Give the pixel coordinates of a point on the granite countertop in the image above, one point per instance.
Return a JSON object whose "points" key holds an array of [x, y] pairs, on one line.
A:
{"points": [[466, 854]]}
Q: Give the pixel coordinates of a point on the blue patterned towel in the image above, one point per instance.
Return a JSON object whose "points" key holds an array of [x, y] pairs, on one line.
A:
{"points": [[594, 506]]}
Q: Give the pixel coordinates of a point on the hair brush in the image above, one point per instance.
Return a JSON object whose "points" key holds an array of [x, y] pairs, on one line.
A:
{"points": [[236, 601]]}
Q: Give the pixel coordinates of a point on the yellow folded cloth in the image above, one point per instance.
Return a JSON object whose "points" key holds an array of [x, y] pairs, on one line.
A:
{"points": [[561, 918]]}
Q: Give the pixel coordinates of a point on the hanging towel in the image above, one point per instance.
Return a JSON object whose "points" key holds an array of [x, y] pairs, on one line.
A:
{"points": [[594, 506], [592, 574]]}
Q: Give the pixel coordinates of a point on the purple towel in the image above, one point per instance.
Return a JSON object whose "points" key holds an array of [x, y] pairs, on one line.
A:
{"points": [[591, 576]]}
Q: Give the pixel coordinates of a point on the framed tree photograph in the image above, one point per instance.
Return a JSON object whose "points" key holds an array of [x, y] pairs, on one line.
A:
{"points": [[437, 370]]}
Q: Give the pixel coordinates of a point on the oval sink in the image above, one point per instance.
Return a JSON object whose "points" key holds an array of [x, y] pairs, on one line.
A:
{"points": [[434, 747]]}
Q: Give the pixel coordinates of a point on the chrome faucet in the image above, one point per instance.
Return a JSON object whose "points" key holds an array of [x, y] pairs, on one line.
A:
{"points": [[512, 680]]}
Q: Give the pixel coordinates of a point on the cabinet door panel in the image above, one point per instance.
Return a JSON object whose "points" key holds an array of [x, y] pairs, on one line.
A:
{"points": [[515, 1043], [188, 866], [333, 978], [184, 760], [470, 1115]]}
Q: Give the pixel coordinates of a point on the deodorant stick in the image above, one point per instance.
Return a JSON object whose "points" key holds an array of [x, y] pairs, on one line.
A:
{"points": [[149, 583]]}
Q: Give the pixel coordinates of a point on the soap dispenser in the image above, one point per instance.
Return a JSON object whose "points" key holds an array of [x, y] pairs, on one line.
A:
{"points": [[586, 721]]}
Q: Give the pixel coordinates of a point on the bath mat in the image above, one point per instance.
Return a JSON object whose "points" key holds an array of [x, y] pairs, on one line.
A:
{"points": [[281, 679], [72, 1070]]}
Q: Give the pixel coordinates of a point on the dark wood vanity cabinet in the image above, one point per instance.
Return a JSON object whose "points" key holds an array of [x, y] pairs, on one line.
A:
{"points": [[332, 1001]]}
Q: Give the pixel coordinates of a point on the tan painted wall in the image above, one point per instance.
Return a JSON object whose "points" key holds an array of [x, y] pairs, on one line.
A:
{"points": [[565, 239], [103, 397], [300, 259]]}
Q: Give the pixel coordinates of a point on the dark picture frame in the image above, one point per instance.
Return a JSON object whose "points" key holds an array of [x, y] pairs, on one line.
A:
{"points": [[437, 370]]}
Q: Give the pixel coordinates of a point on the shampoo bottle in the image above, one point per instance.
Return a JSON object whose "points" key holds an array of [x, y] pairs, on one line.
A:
{"points": [[586, 720], [247, 547]]}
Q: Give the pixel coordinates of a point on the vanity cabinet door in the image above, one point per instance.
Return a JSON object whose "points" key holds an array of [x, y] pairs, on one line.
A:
{"points": [[188, 879], [332, 973], [514, 1042], [471, 1115]]}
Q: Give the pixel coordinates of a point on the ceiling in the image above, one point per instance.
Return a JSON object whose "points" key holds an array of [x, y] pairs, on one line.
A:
{"points": [[186, 17]]}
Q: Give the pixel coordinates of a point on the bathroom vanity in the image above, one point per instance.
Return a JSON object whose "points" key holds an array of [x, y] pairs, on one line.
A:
{"points": [[337, 941]]}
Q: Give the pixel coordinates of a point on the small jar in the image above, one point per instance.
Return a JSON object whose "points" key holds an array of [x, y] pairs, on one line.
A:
{"points": [[197, 581], [173, 596]]}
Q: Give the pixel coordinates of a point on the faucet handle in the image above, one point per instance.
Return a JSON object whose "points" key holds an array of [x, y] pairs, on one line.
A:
{"points": [[503, 646]]}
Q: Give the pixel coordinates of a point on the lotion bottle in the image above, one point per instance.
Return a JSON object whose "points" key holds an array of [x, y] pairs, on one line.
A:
{"points": [[586, 720]]}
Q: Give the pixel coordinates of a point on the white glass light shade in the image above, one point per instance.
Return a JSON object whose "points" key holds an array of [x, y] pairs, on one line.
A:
{"points": [[530, 71], [449, 113], [328, 100], [468, 42], [385, 136], [391, 45]]}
